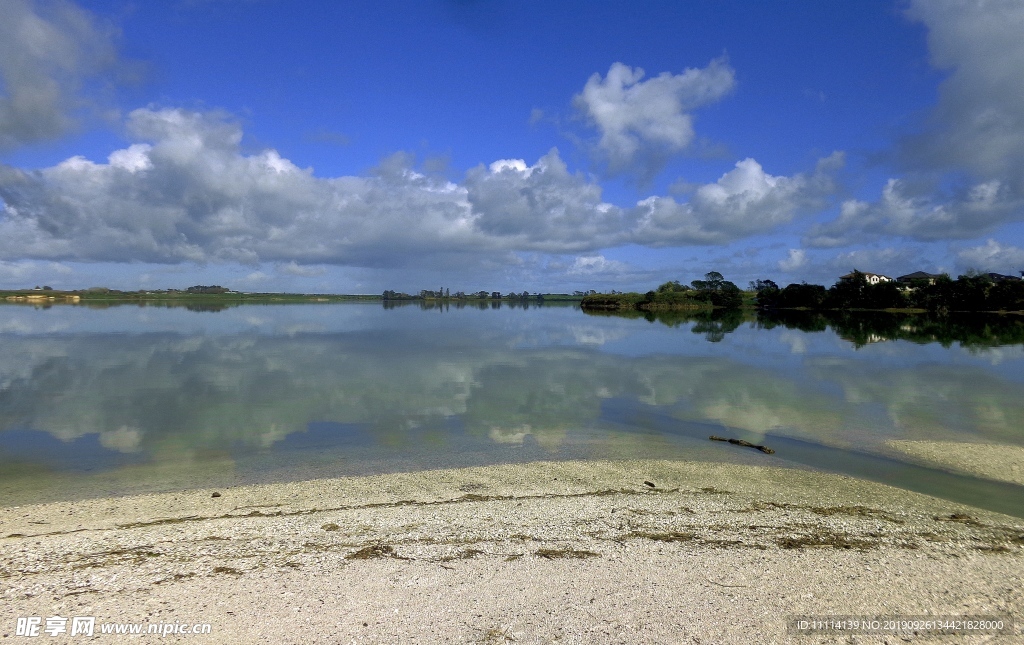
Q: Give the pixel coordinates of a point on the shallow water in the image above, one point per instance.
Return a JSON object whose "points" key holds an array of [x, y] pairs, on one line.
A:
{"points": [[129, 399]]}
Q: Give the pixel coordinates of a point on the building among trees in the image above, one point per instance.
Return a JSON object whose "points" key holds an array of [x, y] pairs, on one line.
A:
{"points": [[872, 278]]}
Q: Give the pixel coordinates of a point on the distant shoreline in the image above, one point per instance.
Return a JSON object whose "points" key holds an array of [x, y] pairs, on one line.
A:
{"points": [[86, 296]]}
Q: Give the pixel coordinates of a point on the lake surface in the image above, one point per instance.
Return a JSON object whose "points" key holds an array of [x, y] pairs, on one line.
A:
{"points": [[129, 399]]}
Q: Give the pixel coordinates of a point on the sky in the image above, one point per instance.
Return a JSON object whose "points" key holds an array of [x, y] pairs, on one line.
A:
{"points": [[516, 145]]}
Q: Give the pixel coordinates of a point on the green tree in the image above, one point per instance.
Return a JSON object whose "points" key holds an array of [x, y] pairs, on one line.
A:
{"points": [[672, 286], [848, 293], [767, 292], [714, 288], [811, 296]]}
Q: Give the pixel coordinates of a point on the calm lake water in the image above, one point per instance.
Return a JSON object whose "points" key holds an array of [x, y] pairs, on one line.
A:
{"points": [[130, 399]]}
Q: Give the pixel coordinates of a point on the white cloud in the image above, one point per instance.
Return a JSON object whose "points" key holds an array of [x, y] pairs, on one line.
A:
{"points": [[596, 265], [188, 194], [993, 256], [16, 270], [795, 259], [517, 165], [644, 121], [185, 192], [543, 207], [47, 51], [294, 269], [26, 273], [133, 158], [744, 201], [256, 277], [919, 214], [973, 139], [979, 121], [58, 268]]}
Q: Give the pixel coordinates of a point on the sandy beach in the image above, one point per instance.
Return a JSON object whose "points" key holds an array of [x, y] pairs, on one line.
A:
{"points": [[1000, 462], [569, 552]]}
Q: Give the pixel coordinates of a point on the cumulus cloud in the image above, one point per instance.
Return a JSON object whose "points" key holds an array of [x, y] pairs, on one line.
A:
{"points": [[974, 134], [22, 274], [979, 121], [187, 193], [48, 52], [992, 256], [15, 270], [596, 265], [917, 213], [644, 121], [542, 207], [294, 269], [184, 191], [256, 277], [744, 201], [795, 259]]}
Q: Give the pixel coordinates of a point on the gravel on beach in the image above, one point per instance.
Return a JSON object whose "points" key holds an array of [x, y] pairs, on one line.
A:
{"points": [[565, 552]]}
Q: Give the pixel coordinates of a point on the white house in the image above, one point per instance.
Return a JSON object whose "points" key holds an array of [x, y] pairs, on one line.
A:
{"points": [[872, 278]]}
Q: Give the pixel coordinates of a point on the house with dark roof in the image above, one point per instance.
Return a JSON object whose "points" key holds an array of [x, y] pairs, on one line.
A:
{"points": [[917, 276], [999, 277]]}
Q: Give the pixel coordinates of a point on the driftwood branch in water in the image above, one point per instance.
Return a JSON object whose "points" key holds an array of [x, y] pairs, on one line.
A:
{"points": [[739, 442]]}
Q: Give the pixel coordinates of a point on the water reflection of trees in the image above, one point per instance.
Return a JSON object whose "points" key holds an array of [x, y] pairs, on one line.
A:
{"points": [[446, 304], [714, 324], [859, 327], [162, 304], [717, 323], [865, 327]]}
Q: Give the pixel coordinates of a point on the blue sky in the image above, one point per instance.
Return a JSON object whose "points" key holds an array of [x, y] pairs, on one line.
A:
{"points": [[357, 147]]}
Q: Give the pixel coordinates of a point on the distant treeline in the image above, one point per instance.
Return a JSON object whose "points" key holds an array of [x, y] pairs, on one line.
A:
{"points": [[714, 291], [942, 294], [200, 288]]}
